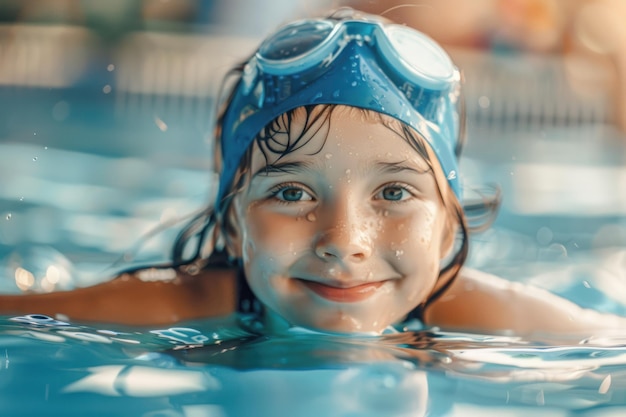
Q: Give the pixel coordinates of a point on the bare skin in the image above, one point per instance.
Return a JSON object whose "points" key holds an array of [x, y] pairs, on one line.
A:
{"points": [[135, 299], [486, 303]]}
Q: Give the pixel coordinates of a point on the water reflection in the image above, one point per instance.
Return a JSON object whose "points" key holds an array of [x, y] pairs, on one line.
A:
{"points": [[220, 368]]}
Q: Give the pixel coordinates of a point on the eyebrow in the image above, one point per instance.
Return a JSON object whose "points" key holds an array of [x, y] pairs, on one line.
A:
{"points": [[281, 168], [396, 167]]}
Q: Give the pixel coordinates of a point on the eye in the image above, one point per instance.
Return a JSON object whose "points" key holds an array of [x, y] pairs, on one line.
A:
{"points": [[291, 193], [393, 192]]}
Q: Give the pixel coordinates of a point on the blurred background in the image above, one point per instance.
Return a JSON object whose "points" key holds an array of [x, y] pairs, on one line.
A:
{"points": [[106, 110]]}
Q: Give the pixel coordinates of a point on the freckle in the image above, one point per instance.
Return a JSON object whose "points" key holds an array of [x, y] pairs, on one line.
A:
{"points": [[311, 217]]}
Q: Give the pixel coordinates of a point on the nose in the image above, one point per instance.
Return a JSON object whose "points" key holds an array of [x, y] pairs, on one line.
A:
{"points": [[345, 234]]}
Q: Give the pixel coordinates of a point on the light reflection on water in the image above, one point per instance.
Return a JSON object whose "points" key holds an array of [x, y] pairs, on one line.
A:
{"points": [[216, 368]]}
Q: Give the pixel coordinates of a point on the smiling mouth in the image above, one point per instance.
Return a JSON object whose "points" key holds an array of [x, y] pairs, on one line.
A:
{"points": [[343, 294]]}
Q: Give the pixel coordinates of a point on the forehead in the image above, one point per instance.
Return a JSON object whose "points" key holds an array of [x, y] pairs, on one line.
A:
{"points": [[334, 131]]}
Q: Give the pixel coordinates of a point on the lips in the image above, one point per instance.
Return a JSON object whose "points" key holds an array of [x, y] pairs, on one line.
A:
{"points": [[349, 294]]}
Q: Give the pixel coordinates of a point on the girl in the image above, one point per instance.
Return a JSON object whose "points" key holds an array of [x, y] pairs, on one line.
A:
{"points": [[339, 202]]}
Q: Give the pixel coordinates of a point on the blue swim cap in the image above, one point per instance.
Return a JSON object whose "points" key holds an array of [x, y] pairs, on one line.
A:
{"points": [[387, 68]]}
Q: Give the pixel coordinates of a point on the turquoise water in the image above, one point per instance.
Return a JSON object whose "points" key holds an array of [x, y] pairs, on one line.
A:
{"points": [[215, 368]]}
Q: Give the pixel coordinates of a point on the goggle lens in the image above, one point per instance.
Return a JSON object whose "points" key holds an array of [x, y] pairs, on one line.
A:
{"points": [[420, 53], [295, 40]]}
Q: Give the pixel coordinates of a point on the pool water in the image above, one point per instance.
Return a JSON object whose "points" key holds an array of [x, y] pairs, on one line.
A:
{"points": [[89, 171], [217, 368]]}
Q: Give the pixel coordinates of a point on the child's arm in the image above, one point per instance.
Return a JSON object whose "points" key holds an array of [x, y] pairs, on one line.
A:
{"points": [[129, 299], [481, 302]]}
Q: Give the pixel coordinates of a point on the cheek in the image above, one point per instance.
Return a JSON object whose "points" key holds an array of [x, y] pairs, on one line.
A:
{"points": [[273, 235], [417, 234]]}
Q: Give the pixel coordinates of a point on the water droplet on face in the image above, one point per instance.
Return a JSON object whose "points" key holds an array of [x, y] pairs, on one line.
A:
{"points": [[353, 84], [328, 155], [35, 159], [311, 217], [385, 213], [106, 89], [399, 253], [110, 67], [9, 215], [336, 94]]}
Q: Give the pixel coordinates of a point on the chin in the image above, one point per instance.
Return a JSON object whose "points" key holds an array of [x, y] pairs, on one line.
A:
{"points": [[345, 323]]}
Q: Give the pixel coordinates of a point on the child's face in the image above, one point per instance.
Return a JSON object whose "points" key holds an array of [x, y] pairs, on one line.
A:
{"points": [[348, 238]]}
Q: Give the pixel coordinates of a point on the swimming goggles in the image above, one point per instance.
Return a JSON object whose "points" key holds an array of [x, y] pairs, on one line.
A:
{"points": [[358, 61]]}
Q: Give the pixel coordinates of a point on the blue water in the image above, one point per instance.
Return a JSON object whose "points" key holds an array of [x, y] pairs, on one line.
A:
{"points": [[216, 368], [87, 175]]}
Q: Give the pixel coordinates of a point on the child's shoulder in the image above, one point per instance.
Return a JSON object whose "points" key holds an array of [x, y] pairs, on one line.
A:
{"points": [[147, 296], [479, 301]]}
